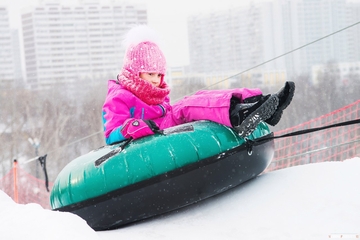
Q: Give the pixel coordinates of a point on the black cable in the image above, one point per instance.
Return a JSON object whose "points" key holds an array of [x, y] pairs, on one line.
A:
{"points": [[305, 131]]}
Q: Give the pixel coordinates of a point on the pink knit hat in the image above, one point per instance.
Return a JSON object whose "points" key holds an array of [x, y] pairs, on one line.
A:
{"points": [[142, 53]]}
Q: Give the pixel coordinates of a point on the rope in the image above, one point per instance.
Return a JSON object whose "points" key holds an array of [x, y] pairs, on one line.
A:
{"points": [[71, 143], [250, 143], [310, 130], [316, 150]]}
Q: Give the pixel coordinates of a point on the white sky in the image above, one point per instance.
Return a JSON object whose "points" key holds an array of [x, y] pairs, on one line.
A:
{"points": [[167, 17]]}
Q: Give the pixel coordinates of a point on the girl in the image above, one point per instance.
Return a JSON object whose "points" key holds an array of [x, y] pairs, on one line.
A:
{"points": [[137, 103]]}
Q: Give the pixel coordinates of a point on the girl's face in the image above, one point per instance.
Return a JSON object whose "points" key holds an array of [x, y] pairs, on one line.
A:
{"points": [[153, 78]]}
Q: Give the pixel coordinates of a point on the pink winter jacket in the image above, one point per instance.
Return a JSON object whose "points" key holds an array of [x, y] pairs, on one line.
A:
{"points": [[121, 105]]}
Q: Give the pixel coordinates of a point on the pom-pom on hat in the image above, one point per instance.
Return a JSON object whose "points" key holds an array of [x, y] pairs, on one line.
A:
{"points": [[142, 52]]}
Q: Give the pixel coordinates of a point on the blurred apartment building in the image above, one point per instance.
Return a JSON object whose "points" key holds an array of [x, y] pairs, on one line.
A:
{"points": [[64, 44], [10, 60], [240, 39]]}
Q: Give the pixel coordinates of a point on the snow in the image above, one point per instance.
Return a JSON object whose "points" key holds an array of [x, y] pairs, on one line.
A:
{"points": [[314, 201]]}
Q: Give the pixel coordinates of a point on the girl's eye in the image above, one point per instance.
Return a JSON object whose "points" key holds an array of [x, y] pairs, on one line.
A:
{"points": [[159, 75]]}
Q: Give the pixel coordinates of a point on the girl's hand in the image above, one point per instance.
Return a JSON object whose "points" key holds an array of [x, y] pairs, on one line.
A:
{"points": [[138, 128]]}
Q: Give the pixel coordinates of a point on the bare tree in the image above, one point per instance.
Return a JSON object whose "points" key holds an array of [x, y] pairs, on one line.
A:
{"points": [[66, 127]]}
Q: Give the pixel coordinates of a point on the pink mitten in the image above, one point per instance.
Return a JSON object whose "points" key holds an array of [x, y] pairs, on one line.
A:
{"points": [[138, 128]]}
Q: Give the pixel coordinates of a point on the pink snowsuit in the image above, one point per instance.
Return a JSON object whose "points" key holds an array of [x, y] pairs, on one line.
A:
{"points": [[122, 106]]}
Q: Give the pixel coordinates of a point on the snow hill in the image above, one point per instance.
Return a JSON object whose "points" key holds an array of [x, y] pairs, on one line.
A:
{"points": [[314, 201]]}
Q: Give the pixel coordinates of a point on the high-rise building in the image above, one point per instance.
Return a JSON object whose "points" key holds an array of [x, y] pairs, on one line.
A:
{"points": [[239, 39], [63, 44], [306, 21], [10, 61], [234, 39]]}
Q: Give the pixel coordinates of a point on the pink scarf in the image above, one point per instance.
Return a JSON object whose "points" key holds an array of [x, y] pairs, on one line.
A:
{"points": [[142, 89]]}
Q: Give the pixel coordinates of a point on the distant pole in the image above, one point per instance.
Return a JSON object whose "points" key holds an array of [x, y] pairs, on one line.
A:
{"points": [[16, 193]]}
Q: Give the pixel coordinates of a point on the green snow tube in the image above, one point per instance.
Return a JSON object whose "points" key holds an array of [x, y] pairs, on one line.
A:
{"points": [[116, 185]]}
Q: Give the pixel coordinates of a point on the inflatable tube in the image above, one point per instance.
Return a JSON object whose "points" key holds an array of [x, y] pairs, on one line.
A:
{"points": [[116, 185]]}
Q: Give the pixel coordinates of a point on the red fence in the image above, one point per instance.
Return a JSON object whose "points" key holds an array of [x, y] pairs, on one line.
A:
{"points": [[334, 144], [24, 188]]}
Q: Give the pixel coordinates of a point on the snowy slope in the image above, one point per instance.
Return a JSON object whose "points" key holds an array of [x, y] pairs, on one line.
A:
{"points": [[315, 201]]}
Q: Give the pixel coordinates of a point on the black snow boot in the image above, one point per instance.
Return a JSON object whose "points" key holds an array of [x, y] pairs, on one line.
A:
{"points": [[245, 117], [285, 96]]}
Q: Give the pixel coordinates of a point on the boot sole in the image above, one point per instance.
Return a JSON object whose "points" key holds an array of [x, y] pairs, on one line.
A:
{"points": [[262, 113], [291, 92], [277, 115]]}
